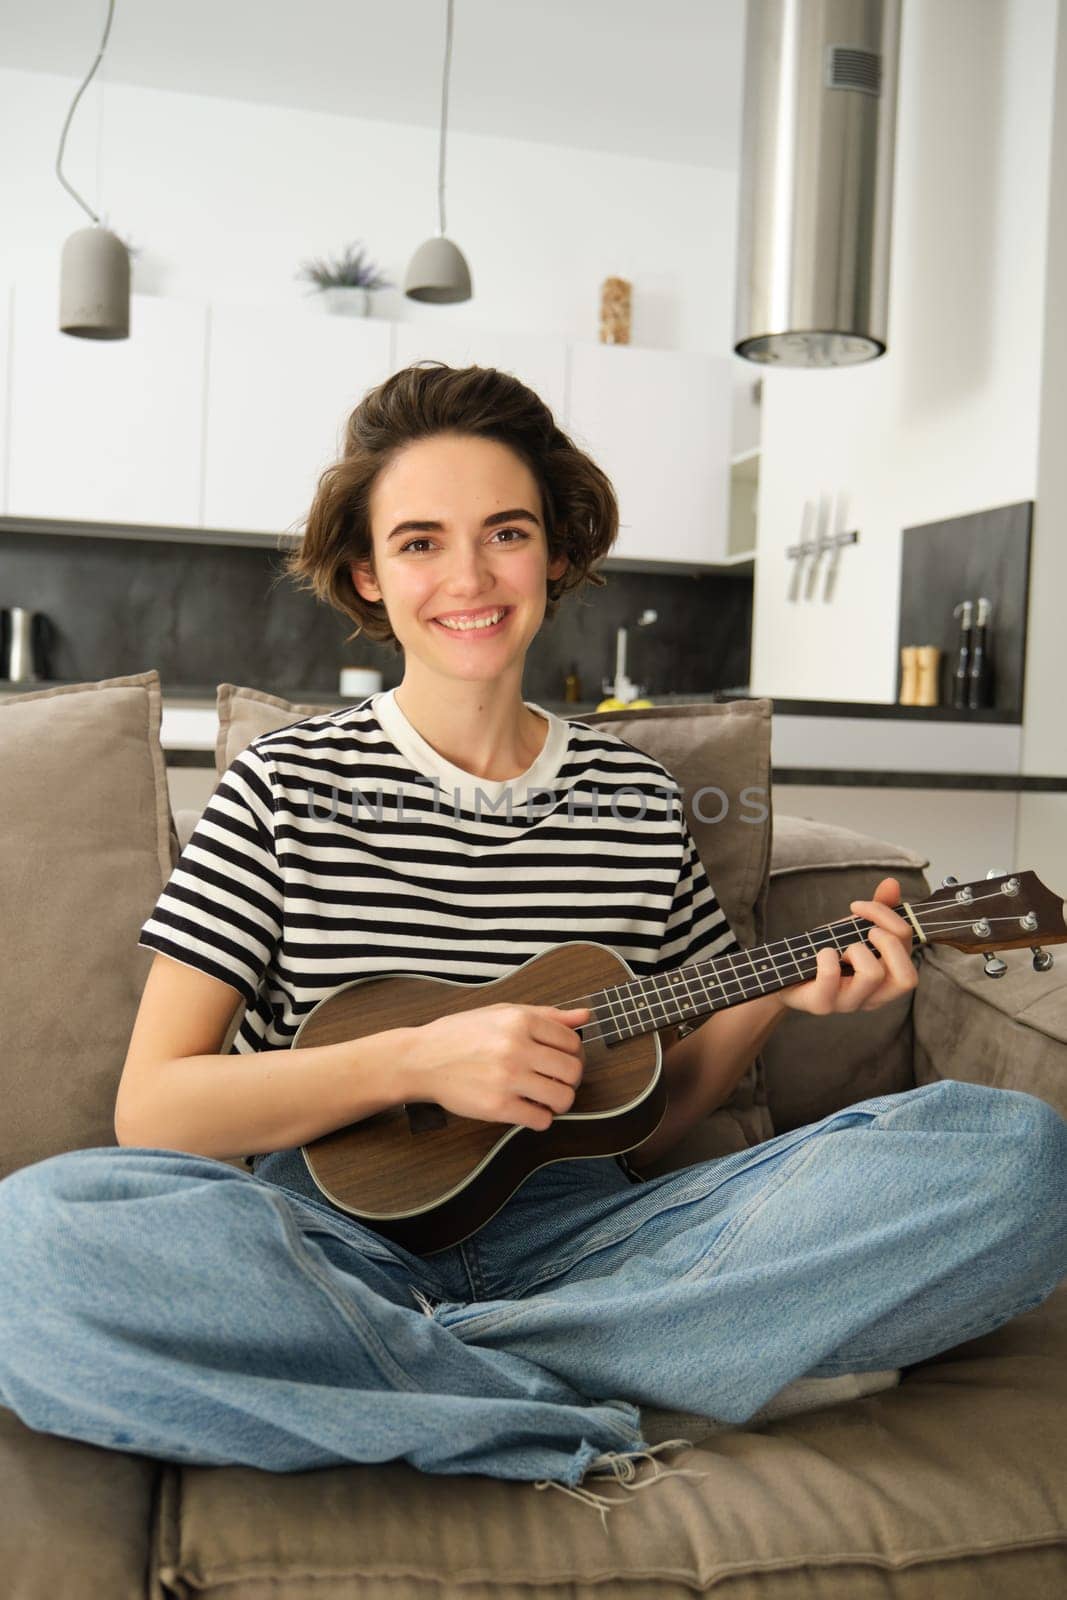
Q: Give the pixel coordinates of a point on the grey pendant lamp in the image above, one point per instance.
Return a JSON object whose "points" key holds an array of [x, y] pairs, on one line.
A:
{"points": [[438, 272], [94, 281], [816, 193]]}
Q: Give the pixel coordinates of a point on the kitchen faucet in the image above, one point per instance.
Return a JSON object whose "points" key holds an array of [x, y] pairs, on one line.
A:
{"points": [[623, 689]]}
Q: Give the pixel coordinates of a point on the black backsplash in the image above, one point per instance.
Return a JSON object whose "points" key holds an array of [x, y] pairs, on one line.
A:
{"points": [[205, 614], [942, 563]]}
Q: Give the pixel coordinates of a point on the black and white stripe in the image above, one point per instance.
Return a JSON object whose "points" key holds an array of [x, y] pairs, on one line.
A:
{"points": [[286, 891]]}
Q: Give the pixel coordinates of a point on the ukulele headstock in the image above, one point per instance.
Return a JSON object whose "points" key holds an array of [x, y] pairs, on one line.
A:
{"points": [[1003, 911]]}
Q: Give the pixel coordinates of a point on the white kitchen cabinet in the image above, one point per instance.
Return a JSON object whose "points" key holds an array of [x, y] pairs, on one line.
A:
{"points": [[281, 384], [539, 362], [106, 430], [223, 417], [659, 423]]}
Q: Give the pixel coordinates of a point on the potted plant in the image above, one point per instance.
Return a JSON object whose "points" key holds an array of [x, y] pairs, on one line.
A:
{"points": [[344, 284]]}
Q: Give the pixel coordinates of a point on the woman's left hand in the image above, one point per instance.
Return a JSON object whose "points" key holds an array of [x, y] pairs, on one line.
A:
{"points": [[873, 982]]}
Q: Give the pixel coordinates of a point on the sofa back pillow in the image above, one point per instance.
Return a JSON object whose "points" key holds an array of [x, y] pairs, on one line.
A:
{"points": [[720, 755], [85, 849], [815, 1066]]}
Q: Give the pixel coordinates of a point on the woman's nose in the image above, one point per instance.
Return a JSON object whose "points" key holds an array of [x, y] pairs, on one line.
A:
{"points": [[467, 567]]}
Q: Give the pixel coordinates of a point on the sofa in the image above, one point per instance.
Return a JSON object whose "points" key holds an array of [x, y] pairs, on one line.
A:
{"points": [[946, 1479]]}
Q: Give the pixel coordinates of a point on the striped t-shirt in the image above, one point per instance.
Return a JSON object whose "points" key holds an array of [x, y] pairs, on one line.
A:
{"points": [[344, 846]]}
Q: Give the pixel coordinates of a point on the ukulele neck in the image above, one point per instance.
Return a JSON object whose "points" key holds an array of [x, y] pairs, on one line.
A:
{"points": [[700, 987]]}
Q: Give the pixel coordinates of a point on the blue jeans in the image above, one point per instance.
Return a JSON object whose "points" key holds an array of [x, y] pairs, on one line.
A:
{"points": [[171, 1305]]}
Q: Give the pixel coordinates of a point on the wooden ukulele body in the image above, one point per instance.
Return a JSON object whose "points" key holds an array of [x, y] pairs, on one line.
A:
{"points": [[427, 1179]]}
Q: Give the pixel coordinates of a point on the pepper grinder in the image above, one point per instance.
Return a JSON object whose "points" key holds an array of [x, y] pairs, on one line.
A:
{"points": [[909, 675], [928, 658], [960, 680], [980, 674]]}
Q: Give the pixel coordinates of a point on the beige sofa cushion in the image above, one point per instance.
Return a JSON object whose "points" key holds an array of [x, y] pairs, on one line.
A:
{"points": [[816, 1065], [949, 1485], [1010, 1032], [721, 757], [246, 713], [76, 1520], [722, 749], [84, 852]]}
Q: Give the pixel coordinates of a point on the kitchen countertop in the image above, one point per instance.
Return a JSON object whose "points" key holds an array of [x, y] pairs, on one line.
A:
{"points": [[879, 708]]}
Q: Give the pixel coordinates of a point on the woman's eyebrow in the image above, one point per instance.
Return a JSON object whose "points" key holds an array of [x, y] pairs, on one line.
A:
{"points": [[438, 527]]}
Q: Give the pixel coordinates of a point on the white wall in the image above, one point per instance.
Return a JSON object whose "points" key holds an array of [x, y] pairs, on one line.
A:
{"points": [[947, 422], [1044, 714], [1041, 839], [228, 198]]}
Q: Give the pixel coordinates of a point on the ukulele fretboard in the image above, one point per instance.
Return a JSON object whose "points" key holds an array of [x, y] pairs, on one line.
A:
{"points": [[713, 984]]}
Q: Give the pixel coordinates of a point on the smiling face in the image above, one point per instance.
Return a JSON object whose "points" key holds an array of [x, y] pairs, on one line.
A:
{"points": [[479, 555]]}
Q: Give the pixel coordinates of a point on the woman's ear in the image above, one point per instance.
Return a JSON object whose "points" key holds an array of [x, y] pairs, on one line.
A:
{"points": [[557, 567], [363, 580]]}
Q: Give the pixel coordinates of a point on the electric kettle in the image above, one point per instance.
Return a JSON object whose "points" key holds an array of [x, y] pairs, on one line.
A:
{"points": [[25, 638]]}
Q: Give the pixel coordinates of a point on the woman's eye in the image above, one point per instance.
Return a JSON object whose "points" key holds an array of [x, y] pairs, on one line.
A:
{"points": [[521, 532]]}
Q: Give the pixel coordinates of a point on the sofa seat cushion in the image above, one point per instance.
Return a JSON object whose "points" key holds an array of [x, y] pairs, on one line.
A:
{"points": [[76, 1519], [950, 1484], [813, 1066], [1010, 1032]]}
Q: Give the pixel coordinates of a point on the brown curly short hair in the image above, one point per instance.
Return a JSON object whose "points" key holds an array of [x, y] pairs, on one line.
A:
{"points": [[581, 513]]}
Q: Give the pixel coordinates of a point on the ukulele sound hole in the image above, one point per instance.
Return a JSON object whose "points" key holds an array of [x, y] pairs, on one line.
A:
{"points": [[424, 1116]]}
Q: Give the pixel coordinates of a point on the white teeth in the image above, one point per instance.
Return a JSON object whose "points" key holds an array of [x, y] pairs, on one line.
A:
{"points": [[465, 627]]}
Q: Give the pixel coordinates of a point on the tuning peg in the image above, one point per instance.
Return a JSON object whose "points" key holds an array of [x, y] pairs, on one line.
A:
{"points": [[1042, 958], [994, 967], [946, 883], [997, 872]]}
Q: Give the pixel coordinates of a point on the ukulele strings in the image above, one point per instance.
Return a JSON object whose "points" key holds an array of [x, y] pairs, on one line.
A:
{"points": [[917, 906], [738, 980], [953, 904]]}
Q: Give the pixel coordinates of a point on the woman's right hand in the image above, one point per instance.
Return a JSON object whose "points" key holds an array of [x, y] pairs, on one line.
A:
{"points": [[501, 1063]]}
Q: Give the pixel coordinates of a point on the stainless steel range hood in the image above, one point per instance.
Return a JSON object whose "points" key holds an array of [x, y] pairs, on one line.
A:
{"points": [[816, 181]]}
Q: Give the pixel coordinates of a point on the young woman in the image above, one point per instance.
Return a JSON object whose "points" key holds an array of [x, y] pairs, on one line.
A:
{"points": [[447, 828]]}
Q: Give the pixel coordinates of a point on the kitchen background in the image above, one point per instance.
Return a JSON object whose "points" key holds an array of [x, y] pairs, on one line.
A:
{"points": [[204, 614], [145, 483]]}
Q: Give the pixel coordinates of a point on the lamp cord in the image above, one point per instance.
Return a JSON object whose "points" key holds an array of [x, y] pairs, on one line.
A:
{"points": [[70, 114], [444, 120]]}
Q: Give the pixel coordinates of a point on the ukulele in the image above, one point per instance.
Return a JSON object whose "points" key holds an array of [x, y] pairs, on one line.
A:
{"points": [[427, 1179]]}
